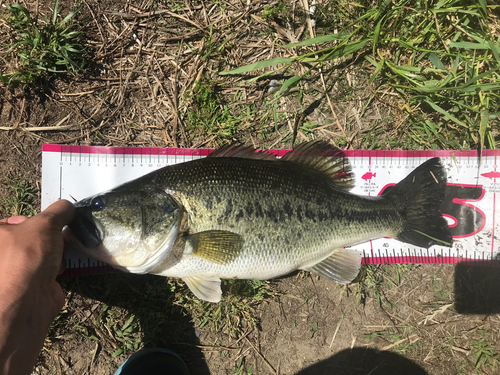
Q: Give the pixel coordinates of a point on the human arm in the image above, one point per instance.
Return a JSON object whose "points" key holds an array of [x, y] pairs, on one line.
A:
{"points": [[31, 255]]}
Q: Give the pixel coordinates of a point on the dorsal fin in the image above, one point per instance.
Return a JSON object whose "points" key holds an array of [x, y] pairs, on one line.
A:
{"points": [[326, 159], [236, 150]]}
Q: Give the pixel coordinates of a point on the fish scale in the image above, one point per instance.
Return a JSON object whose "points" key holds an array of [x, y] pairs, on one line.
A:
{"points": [[242, 214], [293, 208]]}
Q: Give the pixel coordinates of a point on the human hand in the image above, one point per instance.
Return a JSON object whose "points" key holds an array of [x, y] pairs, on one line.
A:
{"points": [[30, 297]]}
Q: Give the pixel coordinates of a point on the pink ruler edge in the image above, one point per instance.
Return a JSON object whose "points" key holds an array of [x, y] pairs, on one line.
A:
{"points": [[205, 151], [279, 152]]}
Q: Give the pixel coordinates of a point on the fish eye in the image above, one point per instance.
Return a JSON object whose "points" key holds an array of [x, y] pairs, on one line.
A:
{"points": [[98, 203]]}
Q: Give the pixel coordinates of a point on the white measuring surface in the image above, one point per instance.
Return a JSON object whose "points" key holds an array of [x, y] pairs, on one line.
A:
{"points": [[469, 204]]}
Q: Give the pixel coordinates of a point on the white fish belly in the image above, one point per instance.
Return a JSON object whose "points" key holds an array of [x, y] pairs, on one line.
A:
{"points": [[261, 265]]}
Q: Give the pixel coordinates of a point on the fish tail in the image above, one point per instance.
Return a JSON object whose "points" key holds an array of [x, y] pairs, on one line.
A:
{"points": [[418, 198]]}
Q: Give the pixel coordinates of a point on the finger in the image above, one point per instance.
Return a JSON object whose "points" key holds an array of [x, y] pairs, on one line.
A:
{"points": [[13, 220], [59, 214]]}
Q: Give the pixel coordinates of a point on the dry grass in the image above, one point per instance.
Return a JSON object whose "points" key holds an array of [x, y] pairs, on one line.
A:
{"points": [[145, 70], [152, 79]]}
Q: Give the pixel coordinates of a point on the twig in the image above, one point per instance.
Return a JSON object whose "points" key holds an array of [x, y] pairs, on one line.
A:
{"points": [[331, 106], [407, 294], [148, 14], [457, 349], [400, 342], [207, 347], [72, 139], [171, 102], [431, 317], [305, 3], [98, 26], [83, 92], [39, 128], [21, 113], [298, 121], [284, 32], [335, 334], [181, 37], [261, 356], [92, 361]]}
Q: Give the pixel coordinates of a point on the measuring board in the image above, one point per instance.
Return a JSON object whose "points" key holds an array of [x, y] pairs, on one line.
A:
{"points": [[469, 204]]}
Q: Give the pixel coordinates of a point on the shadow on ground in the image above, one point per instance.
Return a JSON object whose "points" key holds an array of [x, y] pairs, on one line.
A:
{"points": [[477, 289], [362, 361], [149, 299]]}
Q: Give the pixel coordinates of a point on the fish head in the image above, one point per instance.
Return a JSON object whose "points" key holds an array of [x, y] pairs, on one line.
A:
{"points": [[130, 229]]}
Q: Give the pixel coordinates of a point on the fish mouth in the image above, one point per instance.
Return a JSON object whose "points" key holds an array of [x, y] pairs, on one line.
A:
{"points": [[85, 228]]}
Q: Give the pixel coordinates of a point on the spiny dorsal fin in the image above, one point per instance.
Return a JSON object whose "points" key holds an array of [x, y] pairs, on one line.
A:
{"points": [[217, 246], [342, 266], [326, 159], [235, 150]]}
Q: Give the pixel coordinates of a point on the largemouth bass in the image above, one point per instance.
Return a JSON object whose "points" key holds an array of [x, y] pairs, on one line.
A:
{"points": [[243, 214]]}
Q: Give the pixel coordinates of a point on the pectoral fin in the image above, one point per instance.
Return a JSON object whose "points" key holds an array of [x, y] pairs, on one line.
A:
{"points": [[217, 246], [205, 287], [342, 266]]}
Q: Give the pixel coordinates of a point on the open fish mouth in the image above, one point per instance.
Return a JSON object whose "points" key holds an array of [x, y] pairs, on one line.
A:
{"points": [[86, 229]]}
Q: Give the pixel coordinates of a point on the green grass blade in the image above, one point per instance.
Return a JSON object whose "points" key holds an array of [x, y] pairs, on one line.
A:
{"points": [[455, 64], [434, 59], [346, 49], [289, 83], [258, 65], [491, 140], [495, 49], [376, 35], [371, 61], [446, 114], [14, 8], [319, 39], [432, 238], [483, 126], [275, 117], [484, 12], [468, 45], [69, 17], [481, 76], [54, 15], [377, 71]]}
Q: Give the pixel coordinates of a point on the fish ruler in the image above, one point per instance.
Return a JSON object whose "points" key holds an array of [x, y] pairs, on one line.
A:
{"points": [[469, 205]]}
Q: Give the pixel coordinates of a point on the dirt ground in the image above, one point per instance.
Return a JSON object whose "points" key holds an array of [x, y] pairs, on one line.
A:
{"points": [[423, 320], [141, 89]]}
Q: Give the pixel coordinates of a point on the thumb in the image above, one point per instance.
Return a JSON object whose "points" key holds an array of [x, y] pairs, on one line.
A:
{"points": [[58, 214], [13, 220]]}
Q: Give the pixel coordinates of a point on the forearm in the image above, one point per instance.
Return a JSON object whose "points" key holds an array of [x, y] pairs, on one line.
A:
{"points": [[30, 297], [22, 331]]}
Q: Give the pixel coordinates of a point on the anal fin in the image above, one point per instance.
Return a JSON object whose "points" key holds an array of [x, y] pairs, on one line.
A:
{"points": [[205, 287], [342, 266]]}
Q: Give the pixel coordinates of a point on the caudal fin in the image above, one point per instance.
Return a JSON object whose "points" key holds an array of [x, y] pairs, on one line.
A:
{"points": [[418, 198]]}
